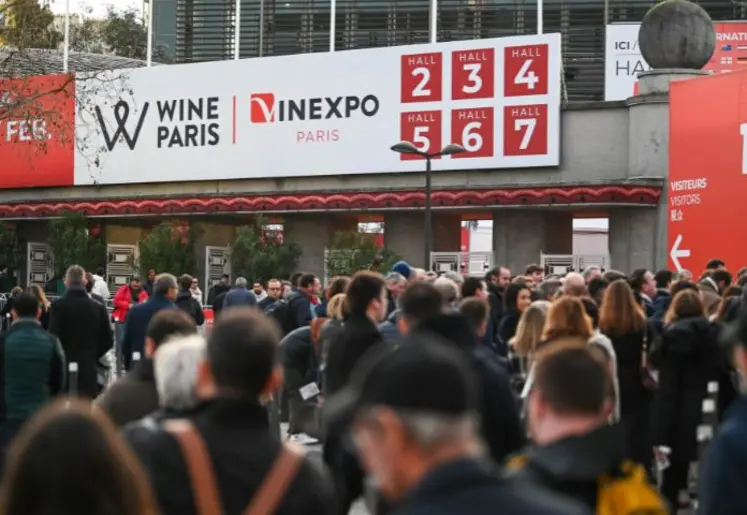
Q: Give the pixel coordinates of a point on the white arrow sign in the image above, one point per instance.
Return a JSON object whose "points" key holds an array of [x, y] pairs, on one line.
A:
{"points": [[676, 253]]}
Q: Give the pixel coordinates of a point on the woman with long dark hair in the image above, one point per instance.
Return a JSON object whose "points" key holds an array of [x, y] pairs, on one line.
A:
{"points": [[687, 359], [622, 320], [516, 298], [44, 304], [70, 459]]}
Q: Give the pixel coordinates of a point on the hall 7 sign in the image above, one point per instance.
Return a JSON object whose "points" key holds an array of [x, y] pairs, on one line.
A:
{"points": [[707, 170]]}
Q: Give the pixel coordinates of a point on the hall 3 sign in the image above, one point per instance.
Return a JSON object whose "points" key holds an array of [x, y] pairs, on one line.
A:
{"points": [[327, 113], [707, 170]]}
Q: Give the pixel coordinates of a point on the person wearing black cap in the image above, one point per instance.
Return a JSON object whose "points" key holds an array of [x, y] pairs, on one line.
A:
{"points": [[422, 313], [723, 475], [413, 414]]}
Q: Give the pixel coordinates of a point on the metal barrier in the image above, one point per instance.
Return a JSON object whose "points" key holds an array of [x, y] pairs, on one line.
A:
{"points": [[561, 264], [473, 264]]}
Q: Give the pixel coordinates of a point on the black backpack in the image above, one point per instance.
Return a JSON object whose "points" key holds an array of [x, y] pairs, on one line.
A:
{"points": [[282, 313]]}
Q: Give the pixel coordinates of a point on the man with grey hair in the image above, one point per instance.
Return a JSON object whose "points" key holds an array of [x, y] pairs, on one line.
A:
{"points": [[83, 328], [548, 289], [413, 413], [175, 367], [395, 285], [592, 272], [240, 295], [455, 276], [448, 290], [165, 291]]}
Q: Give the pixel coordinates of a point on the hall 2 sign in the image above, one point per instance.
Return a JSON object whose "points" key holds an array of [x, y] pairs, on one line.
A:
{"points": [[328, 114]]}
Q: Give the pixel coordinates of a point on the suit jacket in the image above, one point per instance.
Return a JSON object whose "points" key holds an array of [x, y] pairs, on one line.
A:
{"points": [[83, 328]]}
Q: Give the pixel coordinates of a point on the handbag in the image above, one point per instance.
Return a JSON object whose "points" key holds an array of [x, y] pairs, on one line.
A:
{"points": [[648, 374]]}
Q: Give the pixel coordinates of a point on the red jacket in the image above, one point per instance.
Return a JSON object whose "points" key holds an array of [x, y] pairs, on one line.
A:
{"points": [[122, 301]]}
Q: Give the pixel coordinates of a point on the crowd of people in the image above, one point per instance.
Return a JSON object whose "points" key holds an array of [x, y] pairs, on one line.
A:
{"points": [[429, 394]]}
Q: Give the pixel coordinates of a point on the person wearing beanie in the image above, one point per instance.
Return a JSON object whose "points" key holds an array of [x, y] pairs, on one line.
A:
{"points": [[404, 269]]}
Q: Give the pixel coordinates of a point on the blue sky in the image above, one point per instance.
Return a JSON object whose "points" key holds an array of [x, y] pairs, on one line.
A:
{"points": [[99, 6]]}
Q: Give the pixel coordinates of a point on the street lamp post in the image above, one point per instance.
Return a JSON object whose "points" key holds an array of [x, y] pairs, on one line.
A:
{"points": [[407, 147]]}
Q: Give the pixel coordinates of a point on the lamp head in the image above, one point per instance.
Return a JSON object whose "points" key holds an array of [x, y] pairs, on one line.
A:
{"points": [[451, 149], [405, 147]]}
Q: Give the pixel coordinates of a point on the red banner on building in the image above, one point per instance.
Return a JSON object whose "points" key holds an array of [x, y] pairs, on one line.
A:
{"points": [[37, 131], [707, 170]]}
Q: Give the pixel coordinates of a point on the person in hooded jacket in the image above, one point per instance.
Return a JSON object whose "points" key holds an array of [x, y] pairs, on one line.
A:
{"points": [[300, 368], [687, 358], [422, 313], [186, 301]]}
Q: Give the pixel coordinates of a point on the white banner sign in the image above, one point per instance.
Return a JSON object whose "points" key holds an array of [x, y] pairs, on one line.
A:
{"points": [[623, 61], [328, 114]]}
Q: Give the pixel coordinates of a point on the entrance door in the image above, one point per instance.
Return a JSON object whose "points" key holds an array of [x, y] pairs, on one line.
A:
{"points": [[216, 264], [39, 259], [120, 265]]}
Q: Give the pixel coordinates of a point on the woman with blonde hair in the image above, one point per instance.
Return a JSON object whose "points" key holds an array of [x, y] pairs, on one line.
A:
{"points": [[529, 330], [44, 304], [687, 359], [76, 457], [622, 320]]}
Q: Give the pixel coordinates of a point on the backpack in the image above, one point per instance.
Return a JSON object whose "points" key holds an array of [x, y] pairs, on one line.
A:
{"points": [[282, 313], [626, 493]]}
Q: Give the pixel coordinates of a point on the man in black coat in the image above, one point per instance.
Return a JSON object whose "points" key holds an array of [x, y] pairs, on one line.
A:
{"points": [[83, 328], [187, 303], [500, 425]]}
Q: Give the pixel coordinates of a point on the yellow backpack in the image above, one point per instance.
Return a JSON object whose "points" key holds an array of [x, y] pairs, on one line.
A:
{"points": [[628, 493]]}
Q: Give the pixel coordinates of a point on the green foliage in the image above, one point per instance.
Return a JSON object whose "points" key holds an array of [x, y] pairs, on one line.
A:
{"points": [[169, 248], [72, 244], [9, 247], [351, 251], [260, 254], [121, 32], [28, 25]]}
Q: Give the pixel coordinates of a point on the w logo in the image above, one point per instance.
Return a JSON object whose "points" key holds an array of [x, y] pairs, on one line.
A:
{"points": [[121, 115]]}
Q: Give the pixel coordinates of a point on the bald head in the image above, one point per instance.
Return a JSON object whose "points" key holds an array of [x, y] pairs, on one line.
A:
{"points": [[574, 285]]}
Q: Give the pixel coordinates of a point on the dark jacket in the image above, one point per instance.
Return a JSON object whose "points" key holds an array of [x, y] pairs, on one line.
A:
{"points": [[148, 287], [497, 304], [266, 303], [85, 333], [358, 336], [500, 426], [299, 358], [331, 329], [320, 310], [470, 488], [32, 370], [137, 325], [723, 474], [389, 330], [242, 450], [300, 308], [572, 466], [660, 306], [216, 290], [240, 297], [131, 397], [687, 359], [635, 399], [187, 303], [507, 330]]}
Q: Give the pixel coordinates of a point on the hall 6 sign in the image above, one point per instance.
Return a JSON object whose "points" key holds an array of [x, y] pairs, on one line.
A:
{"points": [[472, 74], [473, 129], [423, 129], [422, 77], [525, 130], [526, 70]]}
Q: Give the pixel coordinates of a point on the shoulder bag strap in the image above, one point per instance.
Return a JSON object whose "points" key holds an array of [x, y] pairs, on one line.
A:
{"points": [[277, 481], [199, 467], [644, 350]]}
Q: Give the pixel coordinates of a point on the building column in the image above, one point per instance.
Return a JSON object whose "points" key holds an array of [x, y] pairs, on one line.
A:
{"points": [[520, 236], [404, 234], [313, 233], [633, 233]]}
